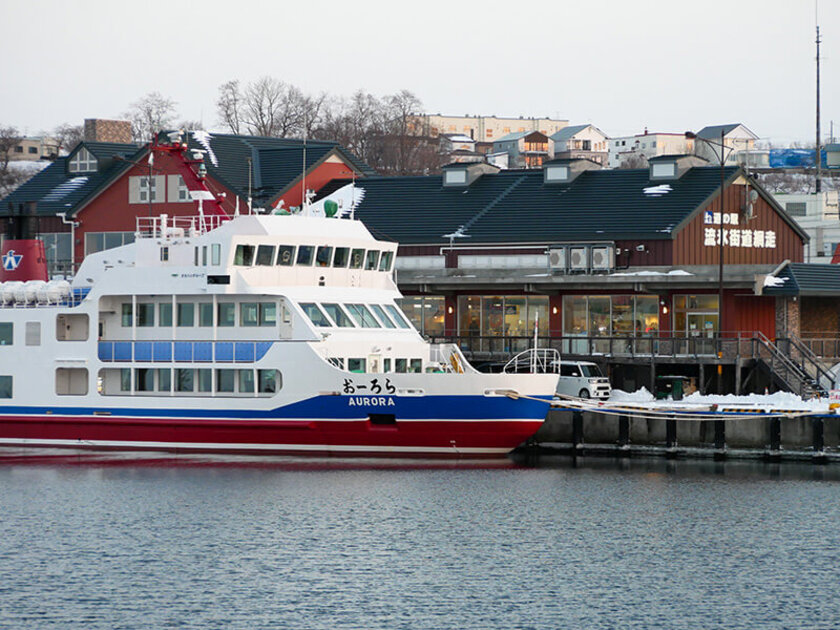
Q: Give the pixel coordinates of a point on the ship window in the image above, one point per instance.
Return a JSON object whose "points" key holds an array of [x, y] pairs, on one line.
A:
{"points": [[164, 380], [304, 256], [380, 313], [144, 380], [205, 314], [196, 256], [342, 255], [5, 386], [362, 316], [386, 365], [204, 255], [356, 365], [186, 314], [126, 315], [357, 258], [401, 366], [322, 258], [416, 366], [125, 380], [244, 256], [372, 259], [165, 314], [270, 381], [268, 313], [286, 255], [337, 362], [205, 379], [385, 261], [248, 312], [225, 380], [227, 314], [246, 381], [164, 254], [315, 314], [6, 333], [145, 315], [395, 313], [184, 380], [215, 254], [265, 255], [338, 315]]}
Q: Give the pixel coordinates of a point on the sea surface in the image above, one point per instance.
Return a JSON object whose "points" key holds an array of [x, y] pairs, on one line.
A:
{"points": [[199, 542]]}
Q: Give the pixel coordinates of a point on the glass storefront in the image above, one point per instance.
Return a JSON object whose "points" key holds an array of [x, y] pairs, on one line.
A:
{"points": [[696, 315], [502, 315], [426, 313], [608, 316]]}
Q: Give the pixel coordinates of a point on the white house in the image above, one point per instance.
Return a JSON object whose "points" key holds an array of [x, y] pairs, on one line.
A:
{"points": [[585, 142]]}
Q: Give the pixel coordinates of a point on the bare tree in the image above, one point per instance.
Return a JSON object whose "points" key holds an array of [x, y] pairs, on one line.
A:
{"points": [[149, 115], [229, 106], [9, 178], [68, 136], [634, 161]]}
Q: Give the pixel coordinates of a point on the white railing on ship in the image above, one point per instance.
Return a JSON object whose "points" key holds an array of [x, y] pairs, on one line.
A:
{"points": [[171, 227]]}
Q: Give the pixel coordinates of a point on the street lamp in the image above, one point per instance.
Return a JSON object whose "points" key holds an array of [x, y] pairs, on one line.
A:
{"points": [[723, 155]]}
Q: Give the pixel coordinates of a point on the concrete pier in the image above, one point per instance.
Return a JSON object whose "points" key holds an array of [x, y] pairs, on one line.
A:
{"points": [[807, 438]]}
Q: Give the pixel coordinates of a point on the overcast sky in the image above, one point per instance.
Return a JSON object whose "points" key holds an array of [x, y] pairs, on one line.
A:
{"points": [[620, 64]]}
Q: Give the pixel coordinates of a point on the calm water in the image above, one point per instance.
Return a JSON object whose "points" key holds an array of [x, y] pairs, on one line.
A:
{"points": [[212, 543]]}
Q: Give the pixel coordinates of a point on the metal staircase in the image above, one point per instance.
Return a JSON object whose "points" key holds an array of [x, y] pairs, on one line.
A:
{"points": [[793, 366]]}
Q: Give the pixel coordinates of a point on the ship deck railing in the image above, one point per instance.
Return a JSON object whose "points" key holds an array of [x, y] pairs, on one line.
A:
{"points": [[164, 226]]}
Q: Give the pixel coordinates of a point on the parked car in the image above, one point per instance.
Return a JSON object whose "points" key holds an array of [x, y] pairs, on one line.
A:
{"points": [[583, 379]]}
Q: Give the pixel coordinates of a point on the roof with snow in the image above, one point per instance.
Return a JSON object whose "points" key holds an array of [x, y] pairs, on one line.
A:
{"points": [[517, 206], [56, 190], [805, 279], [275, 164]]}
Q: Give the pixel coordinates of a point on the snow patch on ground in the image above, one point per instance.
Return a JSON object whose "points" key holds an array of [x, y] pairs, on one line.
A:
{"points": [[761, 402]]}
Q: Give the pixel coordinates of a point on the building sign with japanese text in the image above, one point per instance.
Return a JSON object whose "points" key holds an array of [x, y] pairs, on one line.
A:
{"points": [[734, 236]]}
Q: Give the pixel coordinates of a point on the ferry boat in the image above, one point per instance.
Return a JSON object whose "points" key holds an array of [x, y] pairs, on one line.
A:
{"points": [[250, 334]]}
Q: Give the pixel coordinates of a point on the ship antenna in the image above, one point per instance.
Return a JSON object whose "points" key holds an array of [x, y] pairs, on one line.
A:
{"points": [[305, 199]]}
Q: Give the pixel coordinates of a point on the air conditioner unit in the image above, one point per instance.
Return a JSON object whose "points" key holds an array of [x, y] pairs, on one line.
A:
{"points": [[603, 258], [557, 258], [578, 258]]}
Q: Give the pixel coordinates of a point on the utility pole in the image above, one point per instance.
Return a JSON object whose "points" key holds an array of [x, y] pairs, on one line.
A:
{"points": [[819, 153]]}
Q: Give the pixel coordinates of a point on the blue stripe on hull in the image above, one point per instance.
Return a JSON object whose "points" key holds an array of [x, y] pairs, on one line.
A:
{"points": [[468, 407]]}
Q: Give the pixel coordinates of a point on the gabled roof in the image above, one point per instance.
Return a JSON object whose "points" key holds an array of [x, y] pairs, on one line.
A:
{"points": [[713, 131], [516, 135], [56, 190], [275, 163], [517, 206], [567, 132], [804, 279]]}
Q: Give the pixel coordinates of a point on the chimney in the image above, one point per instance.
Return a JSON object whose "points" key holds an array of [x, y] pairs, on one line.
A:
{"points": [[100, 130]]}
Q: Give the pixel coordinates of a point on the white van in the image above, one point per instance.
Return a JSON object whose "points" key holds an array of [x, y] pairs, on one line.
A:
{"points": [[583, 379]]}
